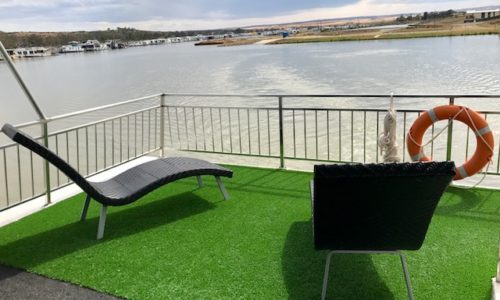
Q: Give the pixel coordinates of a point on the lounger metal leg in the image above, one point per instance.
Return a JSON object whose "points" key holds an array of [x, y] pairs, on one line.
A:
{"points": [[200, 182], [222, 188], [102, 222], [311, 189], [401, 256], [325, 277], [406, 274], [85, 208]]}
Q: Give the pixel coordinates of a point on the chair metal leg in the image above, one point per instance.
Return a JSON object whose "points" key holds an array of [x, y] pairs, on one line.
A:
{"points": [[222, 188], [401, 256], [325, 277], [102, 222], [406, 274], [200, 182], [85, 208]]}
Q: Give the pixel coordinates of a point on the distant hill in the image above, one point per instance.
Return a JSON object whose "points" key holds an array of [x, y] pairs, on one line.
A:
{"points": [[357, 19], [326, 22], [480, 8]]}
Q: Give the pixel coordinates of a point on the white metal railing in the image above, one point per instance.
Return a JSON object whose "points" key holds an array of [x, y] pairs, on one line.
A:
{"points": [[277, 130], [91, 148], [301, 132]]}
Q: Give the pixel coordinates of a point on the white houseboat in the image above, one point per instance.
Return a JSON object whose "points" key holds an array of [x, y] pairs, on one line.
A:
{"points": [[32, 52], [72, 47], [93, 45], [114, 44]]}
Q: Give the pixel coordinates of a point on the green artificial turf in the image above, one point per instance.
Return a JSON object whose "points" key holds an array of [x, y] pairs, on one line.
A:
{"points": [[181, 242]]}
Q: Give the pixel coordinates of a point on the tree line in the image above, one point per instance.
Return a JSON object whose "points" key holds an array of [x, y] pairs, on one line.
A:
{"points": [[426, 16], [124, 34]]}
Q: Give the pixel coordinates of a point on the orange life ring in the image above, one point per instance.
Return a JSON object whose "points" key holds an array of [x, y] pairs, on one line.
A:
{"points": [[484, 151]]}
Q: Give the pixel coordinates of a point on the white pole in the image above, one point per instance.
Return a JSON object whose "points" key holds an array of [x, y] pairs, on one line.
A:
{"points": [[21, 83]]}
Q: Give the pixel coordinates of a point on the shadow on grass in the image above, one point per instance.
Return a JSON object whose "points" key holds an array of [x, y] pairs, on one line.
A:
{"points": [[468, 200], [470, 204], [34, 250], [351, 276], [265, 183], [273, 182]]}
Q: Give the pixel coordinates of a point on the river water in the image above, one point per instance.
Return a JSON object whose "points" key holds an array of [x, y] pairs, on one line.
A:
{"points": [[66, 83]]}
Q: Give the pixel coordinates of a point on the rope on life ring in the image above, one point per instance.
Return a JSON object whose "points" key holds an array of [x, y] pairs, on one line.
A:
{"points": [[484, 136]]}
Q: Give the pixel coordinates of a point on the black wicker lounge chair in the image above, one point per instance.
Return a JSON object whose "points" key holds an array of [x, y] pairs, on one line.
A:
{"points": [[130, 185], [375, 208]]}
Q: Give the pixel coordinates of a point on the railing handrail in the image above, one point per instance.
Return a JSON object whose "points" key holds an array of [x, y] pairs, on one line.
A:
{"points": [[333, 95], [493, 112], [107, 106]]}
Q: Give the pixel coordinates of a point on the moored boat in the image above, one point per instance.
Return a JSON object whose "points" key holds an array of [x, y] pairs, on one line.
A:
{"points": [[94, 45], [115, 44], [31, 52], [209, 43], [72, 47]]}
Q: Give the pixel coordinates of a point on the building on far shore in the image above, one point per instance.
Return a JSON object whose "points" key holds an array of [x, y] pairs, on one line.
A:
{"points": [[481, 15]]}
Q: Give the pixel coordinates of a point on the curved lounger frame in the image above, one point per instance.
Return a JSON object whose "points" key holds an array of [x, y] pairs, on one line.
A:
{"points": [[130, 185]]}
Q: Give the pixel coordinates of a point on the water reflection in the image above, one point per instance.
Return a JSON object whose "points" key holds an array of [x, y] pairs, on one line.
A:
{"points": [[454, 65]]}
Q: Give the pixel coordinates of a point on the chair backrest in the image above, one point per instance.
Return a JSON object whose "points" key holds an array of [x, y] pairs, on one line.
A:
{"points": [[376, 206], [33, 145]]}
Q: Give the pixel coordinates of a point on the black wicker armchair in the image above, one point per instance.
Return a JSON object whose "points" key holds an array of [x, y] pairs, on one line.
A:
{"points": [[130, 185], [375, 208]]}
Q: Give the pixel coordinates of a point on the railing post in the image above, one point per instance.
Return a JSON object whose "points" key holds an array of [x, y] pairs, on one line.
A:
{"points": [[450, 133], [45, 135], [162, 125], [282, 145]]}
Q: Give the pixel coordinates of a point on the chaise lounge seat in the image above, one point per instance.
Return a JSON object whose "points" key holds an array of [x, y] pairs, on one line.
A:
{"points": [[138, 181], [130, 185]]}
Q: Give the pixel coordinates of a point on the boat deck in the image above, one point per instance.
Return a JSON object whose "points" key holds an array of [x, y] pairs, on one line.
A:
{"points": [[182, 242]]}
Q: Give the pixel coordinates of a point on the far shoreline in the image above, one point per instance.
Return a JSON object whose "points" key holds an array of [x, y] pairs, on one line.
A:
{"points": [[448, 27], [394, 36]]}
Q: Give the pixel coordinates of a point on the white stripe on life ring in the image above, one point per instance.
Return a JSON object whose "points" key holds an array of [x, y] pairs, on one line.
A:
{"points": [[462, 172], [417, 156], [483, 131], [433, 116]]}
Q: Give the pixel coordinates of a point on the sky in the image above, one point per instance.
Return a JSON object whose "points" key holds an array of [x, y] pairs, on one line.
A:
{"points": [[73, 15]]}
